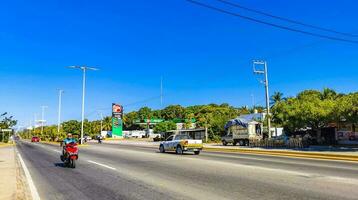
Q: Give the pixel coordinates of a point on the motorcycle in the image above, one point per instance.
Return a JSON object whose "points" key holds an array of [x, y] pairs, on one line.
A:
{"points": [[99, 138], [70, 155]]}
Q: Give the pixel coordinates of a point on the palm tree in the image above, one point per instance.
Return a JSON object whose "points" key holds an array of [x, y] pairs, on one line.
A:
{"points": [[107, 123], [328, 93], [276, 98]]}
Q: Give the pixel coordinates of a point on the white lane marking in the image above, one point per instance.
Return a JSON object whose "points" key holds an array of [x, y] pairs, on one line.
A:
{"points": [[34, 193], [56, 151], [103, 165]]}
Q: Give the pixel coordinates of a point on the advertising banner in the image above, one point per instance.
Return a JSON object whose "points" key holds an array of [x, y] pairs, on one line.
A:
{"points": [[117, 123], [347, 137]]}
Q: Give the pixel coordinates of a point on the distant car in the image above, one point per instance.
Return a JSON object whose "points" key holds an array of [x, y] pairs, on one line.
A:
{"points": [[180, 144], [87, 137], [35, 139]]}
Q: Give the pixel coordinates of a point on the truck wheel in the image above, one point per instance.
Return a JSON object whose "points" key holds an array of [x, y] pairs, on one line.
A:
{"points": [[241, 142], [161, 149], [197, 152], [179, 150], [224, 143]]}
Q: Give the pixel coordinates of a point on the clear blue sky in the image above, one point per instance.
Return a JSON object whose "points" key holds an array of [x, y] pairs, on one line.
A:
{"points": [[204, 56]]}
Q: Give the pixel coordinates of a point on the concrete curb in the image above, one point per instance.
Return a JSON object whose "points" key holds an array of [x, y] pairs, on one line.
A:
{"points": [[312, 155]]}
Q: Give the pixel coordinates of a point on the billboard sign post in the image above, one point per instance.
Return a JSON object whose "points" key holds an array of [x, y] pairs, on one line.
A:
{"points": [[117, 123]]}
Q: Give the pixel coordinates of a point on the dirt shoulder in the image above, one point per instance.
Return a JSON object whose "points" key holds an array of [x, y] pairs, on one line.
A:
{"points": [[13, 183]]}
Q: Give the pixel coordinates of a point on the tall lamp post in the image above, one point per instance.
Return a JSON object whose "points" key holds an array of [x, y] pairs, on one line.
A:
{"points": [[266, 83], [84, 69], [43, 118], [59, 110]]}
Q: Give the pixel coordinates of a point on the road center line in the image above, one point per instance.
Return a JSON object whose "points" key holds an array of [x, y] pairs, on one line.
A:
{"points": [[56, 150], [34, 193], [103, 165]]}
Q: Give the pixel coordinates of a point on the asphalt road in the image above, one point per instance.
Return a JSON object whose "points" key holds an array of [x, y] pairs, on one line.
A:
{"points": [[109, 171]]}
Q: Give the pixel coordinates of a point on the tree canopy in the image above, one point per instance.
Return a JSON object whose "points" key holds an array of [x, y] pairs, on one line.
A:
{"points": [[309, 108]]}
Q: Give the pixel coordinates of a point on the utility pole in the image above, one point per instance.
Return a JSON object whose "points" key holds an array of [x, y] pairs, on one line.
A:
{"points": [[42, 118], [84, 69], [59, 110], [266, 83], [101, 121]]}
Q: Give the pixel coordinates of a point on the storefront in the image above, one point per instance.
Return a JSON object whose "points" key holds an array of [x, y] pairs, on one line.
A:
{"points": [[347, 133]]}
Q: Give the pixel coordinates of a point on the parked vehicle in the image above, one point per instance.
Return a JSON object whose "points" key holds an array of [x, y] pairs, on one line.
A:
{"points": [[70, 155], [242, 134], [181, 144], [137, 134], [35, 139]]}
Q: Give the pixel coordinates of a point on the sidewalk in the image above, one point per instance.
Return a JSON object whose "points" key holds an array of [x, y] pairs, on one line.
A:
{"points": [[12, 181]]}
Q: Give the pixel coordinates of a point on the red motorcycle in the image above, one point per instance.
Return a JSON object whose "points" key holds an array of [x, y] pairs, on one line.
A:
{"points": [[70, 155]]}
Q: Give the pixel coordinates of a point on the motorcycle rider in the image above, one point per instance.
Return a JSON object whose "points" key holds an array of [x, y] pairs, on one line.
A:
{"points": [[99, 138], [67, 140]]}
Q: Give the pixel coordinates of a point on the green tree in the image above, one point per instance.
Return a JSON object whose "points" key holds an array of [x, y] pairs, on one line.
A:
{"points": [[107, 123], [328, 93], [308, 109], [72, 126], [144, 113], [173, 112], [346, 108], [276, 98], [164, 127], [7, 121]]}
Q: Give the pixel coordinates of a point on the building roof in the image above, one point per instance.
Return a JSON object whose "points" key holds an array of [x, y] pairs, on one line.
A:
{"points": [[244, 120]]}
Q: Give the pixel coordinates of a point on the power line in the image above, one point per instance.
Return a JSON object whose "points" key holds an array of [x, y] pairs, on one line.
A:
{"points": [[286, 19], [272, 24], [126, 105]]}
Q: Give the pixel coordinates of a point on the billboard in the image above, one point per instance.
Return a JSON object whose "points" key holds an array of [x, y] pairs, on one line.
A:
{"points": [[117, 110], [117, 123]]}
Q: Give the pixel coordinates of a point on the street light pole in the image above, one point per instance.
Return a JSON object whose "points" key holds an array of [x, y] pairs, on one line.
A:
{"points": [[83, 102], [59, 110], [266, 83], [42, 118], [101, 122], [84, 69]]}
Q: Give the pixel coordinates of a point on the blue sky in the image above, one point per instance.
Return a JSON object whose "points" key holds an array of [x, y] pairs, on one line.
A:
{"points": [[204, 56]]}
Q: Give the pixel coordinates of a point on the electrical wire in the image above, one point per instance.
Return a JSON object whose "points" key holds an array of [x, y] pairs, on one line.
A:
{"points": [[286, 19], [272, 24], [126, 105]]}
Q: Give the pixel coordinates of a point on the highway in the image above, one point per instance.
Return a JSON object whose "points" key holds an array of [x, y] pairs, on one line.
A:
{"points": [[113, 171]]}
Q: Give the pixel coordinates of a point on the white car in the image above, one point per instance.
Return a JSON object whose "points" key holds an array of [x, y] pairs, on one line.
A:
{"points": [[180, 144]]}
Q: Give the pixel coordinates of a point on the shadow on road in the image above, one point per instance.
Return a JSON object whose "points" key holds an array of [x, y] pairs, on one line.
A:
{"points": [[173, 153], [61, 164]]}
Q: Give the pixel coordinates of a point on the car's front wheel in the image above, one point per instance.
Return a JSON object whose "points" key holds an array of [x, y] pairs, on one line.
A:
{"points": [[161, 149], [197, 152], [179, 150]]}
